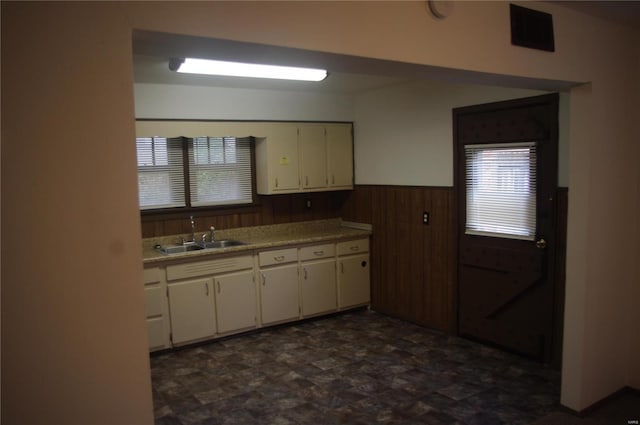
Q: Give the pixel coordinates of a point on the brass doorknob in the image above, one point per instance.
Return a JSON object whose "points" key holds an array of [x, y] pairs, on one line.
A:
{"points": [[541, 244]]}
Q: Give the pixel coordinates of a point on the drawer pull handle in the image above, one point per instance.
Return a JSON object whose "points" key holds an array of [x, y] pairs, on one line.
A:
{"points": [[206, 285], [305, 273], [318, 253], [264, 280], [279, 258], [354, 248], [218, 287]]}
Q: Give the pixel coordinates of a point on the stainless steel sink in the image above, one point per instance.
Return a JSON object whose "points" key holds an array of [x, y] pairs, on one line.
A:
{"points": [[221, 244], [177, 249]]}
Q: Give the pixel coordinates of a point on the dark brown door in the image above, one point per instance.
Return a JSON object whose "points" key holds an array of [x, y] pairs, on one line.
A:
{"points": [[506, 179]]}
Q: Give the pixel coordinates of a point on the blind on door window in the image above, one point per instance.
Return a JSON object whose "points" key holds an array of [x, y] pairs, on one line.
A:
{"points": [[160, 172], [220, 171], [501, 190]]}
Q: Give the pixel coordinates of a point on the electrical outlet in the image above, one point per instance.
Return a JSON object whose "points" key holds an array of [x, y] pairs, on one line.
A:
{"points": [[308, 203], [425, 217]]}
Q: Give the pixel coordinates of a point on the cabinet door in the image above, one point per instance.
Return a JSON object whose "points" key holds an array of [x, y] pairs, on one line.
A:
{"points": [[282, 158], [340, 156], [318, 287], [156, 335], [279, 294], [313, 157], [353, 280], [192, 310], [235, 301], [157, 326]]}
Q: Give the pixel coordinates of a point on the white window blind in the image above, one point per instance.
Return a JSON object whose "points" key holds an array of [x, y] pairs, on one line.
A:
{"points": [[501, 190], [160, 173], [220, 171]]}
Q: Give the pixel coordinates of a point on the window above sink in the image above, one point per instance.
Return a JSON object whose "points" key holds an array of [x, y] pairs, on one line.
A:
{"points": [[182, 172]]}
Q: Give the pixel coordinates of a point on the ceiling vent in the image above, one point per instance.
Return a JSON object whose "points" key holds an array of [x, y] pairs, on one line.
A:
{"points": [[531, 28]]}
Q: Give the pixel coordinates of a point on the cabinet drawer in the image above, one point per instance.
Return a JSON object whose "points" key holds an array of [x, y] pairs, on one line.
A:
{"points": [[353, 247], [152, 275], [153, 301], [209, 267], [279, 256], [317, 251]]}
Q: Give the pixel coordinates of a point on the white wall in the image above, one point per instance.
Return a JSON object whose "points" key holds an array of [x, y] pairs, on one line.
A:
{"points": [[404, 134], [193, 102], [74, 342]]}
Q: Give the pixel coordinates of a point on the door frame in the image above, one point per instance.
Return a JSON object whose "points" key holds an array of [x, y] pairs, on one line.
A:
{"points": [[557, 281]]}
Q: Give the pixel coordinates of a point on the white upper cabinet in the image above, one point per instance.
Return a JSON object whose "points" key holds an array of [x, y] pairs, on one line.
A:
{"points": [[339, 157], [304, 158], [313, 156], [277, 160]]}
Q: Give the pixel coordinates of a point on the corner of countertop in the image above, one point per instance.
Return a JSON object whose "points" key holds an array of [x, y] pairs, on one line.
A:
{"points": [[356, 225]]}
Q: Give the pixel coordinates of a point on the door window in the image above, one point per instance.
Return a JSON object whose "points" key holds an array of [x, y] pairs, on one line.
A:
{"points": [[501, 190]]}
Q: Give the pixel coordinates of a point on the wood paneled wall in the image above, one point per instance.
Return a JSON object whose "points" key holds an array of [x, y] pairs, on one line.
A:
{"points": [[272, 209], [412, 264]]}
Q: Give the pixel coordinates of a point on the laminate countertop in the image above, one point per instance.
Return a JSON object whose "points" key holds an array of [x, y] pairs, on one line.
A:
{"points": [[260, 238]]}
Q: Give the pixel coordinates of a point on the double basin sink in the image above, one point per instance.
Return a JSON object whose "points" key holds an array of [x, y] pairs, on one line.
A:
{"points": [[197, 246]]}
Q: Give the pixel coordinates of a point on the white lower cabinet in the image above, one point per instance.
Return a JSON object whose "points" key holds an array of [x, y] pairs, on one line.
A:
{"points": [[197, 300], [318, 287], [192, 310], [155, 302], [353, 274], [318, 279], [279, 296], [156, 334], [235, 301], [211, 297]]}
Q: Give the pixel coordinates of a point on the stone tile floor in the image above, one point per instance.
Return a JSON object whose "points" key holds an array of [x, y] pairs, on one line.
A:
{"points": [[355, 368]]}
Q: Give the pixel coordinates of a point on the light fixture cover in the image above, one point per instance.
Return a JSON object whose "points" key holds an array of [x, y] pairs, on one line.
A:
{"points": [[250, 70]]}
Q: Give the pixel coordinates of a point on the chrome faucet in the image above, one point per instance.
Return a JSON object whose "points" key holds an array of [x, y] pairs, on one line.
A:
{"points": [[193, 229], [212, 234]]}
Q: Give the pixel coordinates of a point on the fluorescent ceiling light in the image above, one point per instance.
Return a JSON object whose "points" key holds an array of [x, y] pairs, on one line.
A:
{"points": [[237, 69]]}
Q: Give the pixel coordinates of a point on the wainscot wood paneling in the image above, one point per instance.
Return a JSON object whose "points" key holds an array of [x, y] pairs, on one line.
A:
{"points": [[412, 264], [272, 209]]}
